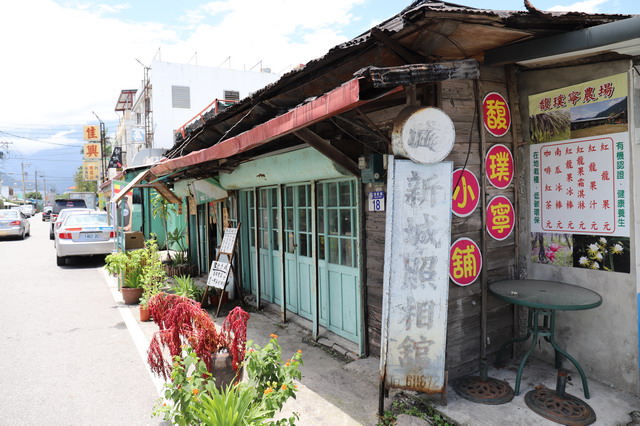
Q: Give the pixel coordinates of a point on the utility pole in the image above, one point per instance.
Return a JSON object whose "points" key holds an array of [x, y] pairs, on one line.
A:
{"points": [[36, 175], [44, 196], [24, 193]]}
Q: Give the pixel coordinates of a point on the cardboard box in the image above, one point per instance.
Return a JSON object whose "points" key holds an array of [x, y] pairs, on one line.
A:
{"points": [[133, 240]]}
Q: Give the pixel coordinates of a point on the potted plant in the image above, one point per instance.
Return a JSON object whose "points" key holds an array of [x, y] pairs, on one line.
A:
{"points": [[129, 265], [185, 286], [153, 280]]}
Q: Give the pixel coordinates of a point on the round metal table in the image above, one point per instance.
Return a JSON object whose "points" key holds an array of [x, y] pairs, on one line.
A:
{"points": [[544, 298]]}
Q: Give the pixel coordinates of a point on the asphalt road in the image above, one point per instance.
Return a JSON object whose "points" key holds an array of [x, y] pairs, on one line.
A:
{"points": [[66, 356]]}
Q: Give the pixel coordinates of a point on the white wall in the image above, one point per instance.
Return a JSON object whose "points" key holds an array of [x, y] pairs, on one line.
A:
{"points": [[604, 340], [206, 84]]}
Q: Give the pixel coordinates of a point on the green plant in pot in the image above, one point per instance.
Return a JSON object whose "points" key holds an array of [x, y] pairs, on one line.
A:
{"points": [[153, 278], [185, 286]]}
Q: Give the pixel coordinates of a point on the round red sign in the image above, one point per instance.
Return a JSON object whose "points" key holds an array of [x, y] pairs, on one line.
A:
{"points": [[466, 192], [465, 261], [496, 114], [500, 217], [498, 166]]}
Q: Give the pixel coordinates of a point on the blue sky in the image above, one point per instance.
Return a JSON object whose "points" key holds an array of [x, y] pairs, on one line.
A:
{"points": [[69, 59]]}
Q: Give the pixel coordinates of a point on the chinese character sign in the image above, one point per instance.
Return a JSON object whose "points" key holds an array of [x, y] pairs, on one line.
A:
{"points": [[500, 218], [465, 261], [92, 151], [90, 170], [580, 186], [496, 114], [218, 274], [592, 108], [416, 283], [91, 133], [466, 193], [499, 166]]}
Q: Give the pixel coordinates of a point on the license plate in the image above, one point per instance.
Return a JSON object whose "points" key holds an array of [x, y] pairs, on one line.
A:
{"points": [[89, 236]]}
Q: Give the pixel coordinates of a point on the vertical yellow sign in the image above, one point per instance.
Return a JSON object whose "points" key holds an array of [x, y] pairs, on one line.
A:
{"points": [[92, 151], [91, 133], [91, 170]]}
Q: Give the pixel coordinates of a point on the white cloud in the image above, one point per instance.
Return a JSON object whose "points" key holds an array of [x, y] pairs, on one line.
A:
{"points": [[587, 6], [60, 63]]}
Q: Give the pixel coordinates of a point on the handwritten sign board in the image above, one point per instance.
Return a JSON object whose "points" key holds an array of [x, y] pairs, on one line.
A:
{"points": [[228, 241], [218, 274], [416, 276]]}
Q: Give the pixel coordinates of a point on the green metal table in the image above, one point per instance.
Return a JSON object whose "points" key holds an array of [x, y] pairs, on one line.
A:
{"points": [[544, 298]]}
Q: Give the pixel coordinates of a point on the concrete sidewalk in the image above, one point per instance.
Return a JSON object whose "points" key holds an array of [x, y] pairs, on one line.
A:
{"points": [[338, 390]]}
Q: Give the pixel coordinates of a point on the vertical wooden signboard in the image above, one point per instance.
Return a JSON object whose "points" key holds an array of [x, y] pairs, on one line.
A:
{"points": [[416, 276], [219, 272]]}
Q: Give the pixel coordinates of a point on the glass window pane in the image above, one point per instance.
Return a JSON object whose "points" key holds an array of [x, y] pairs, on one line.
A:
{"points": [[320, 194], [334, 251], [332, 194], [345, 193], [288, 213], [333, 222], [275, 220], [288, 196], [264, 239], [321, 229], [290, 242], [302, 245], [302, 220], [321, 247], [345, 222], [275, 245], [346, 252], [263, 198], [302, 195]]}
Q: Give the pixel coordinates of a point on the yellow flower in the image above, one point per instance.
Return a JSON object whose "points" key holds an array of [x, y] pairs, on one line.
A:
{"points": [[283, 387], [287, 364], [273, 336], [267, 391], [195, 391], [299, 351]]}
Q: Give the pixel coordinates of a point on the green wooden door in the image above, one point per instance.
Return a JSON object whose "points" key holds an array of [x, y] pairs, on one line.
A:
{"points": [[247, 215], [338, 272], [269, 245], [298, 239]]}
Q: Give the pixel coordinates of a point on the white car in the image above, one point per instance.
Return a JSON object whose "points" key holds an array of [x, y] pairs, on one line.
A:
{"points": [[84, 234], [61, 217], [13, 223]]}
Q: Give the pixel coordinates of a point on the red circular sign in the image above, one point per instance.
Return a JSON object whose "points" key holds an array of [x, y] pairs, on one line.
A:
{"points": [[496, 114], [501, 218], [465, 261], [498, 165], [466, 192]]}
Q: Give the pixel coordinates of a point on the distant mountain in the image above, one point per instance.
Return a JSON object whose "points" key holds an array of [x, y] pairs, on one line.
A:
{"points": [[614, 109]]}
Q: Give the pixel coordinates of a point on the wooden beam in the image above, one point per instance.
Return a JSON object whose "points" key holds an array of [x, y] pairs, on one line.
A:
{"points": [[435, 36], [401, 51], [328, 150], [467, 69]]}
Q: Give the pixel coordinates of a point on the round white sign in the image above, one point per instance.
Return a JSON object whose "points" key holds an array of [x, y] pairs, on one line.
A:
{"points": [[424, 135]]}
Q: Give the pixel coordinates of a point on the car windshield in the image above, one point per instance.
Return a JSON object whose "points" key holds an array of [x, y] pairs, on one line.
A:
{"points": [[9, 213], [80, 219], [64, 213]]}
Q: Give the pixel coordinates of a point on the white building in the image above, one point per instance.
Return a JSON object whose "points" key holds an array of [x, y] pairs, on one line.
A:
{"points": [[170, 96]]}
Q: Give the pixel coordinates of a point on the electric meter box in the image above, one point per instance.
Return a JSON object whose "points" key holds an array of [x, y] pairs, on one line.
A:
{"points": [[372, 168]]}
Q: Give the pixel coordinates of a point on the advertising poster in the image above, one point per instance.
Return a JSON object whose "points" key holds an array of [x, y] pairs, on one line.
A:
{"points": [[580, 175]]}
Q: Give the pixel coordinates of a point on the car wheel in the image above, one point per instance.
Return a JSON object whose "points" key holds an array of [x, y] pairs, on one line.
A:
{"points": [[61, 260], [23, 235]]}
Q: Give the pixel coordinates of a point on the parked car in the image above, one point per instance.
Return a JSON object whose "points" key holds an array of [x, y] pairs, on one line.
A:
{"points": [[46, 213], [84, 234], [62, 216], [60, 204], [28, 209], [14, 223]]}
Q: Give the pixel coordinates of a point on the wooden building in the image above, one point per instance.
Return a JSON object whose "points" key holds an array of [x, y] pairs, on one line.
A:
{"points": [[300, 157]]}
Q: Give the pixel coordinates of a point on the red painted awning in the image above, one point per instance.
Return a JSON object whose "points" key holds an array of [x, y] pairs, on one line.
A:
{"points": [[339, 100]]}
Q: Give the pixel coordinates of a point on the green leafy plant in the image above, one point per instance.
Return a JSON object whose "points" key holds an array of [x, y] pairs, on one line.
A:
{"points": [[162, 208], [185, 286], [232, 405], [141, 268]]}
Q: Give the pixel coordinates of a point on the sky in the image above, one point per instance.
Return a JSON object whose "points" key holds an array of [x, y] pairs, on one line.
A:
{"points": [[65, 62]]}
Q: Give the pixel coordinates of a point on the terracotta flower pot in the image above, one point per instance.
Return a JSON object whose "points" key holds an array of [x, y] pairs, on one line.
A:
{"points": [[214, 298], [145, 314], [131, 296]]}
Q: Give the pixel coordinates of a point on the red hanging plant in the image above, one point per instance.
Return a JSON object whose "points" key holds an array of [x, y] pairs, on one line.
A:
{"points": [[234, 330], [182, 321]]}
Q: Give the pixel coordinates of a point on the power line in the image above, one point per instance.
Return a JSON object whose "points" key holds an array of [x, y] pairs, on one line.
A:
{"points": [[39, 141]]}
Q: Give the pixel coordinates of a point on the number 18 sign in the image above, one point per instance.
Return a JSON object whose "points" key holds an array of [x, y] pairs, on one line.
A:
{"points": [[376, 201]]}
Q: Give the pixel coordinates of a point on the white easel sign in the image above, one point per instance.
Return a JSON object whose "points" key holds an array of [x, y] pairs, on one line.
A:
{"points": [[228, 240], [218, 274]]}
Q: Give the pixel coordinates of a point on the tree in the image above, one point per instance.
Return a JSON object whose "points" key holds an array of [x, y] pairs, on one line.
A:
{"points": [[34, 195]]}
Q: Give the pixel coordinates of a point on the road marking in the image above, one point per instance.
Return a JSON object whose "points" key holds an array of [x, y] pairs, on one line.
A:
{"points": [[138, 337]]}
